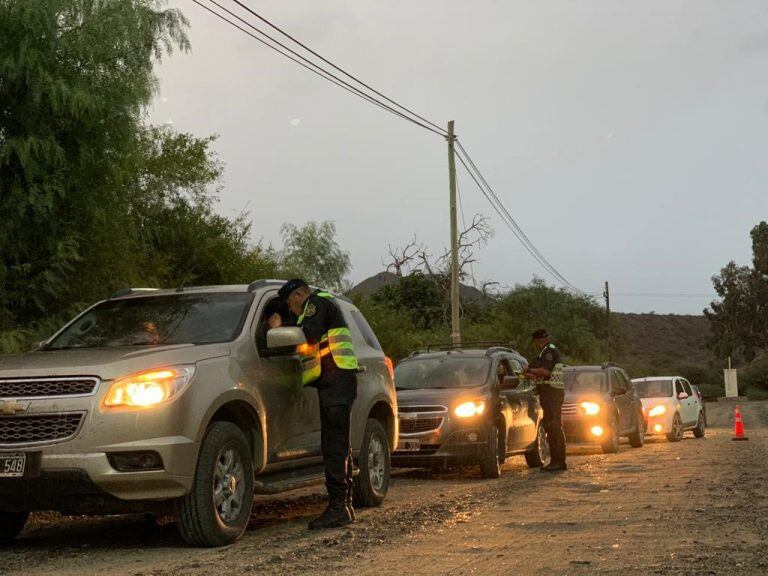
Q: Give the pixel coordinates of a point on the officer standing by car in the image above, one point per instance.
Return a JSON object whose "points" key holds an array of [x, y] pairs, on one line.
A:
{"points": [[329, 364], [546, 371]]}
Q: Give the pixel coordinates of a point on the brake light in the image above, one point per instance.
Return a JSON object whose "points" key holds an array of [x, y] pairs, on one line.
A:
{"points": [[390, 367]]}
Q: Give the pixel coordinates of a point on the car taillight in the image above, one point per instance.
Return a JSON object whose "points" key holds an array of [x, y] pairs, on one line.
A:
{"points": [[390, 367]]}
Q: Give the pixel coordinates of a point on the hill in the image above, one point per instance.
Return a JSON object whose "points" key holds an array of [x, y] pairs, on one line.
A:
{"points": [[370, 286]]}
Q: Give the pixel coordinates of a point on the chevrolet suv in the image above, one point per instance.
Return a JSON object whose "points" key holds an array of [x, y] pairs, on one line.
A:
{"points": [[179, 400], [601, 404], [467, 407]]}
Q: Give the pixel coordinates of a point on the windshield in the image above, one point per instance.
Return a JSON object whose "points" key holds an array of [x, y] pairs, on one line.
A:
{"points": [[441, 372], [654, 388], [578, 381], [157, 320]]}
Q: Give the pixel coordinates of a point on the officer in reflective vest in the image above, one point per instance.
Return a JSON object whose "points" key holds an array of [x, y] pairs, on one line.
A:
{"points": [[546, 370], [328, 363]]}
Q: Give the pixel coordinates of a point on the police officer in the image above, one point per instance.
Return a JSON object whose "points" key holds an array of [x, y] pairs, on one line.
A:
{"points": [[546, 371], [329, 364]]}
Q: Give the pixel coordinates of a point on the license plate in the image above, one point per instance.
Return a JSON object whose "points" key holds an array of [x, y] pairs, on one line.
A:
{"points": [[409, 446], [12, 465]]}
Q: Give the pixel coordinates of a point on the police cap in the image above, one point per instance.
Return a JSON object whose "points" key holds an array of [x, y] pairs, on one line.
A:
{"points": [[539, 334], [288, 288]]}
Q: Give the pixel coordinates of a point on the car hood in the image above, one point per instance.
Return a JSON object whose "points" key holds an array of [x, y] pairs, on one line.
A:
{"points": [[651, 402], [439, 397], [572, 397], [106, 363]]}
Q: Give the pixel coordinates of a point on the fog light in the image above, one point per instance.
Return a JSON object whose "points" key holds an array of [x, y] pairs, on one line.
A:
{"points": [[472, 436], [596, 430], [135, 461], [658, 428]]}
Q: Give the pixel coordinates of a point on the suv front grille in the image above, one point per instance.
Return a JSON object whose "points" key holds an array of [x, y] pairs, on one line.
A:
{"points": [[47, 387], [570, 410], [416, 425], [39, 428]]}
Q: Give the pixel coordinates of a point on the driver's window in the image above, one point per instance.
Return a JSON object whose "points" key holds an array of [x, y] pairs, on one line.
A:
{"points": [[502, 370], [678, 388], [687, 388], [275, 305], [616, 384]]}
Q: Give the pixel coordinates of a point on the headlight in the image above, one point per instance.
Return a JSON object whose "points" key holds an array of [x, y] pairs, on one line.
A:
{"points": [[469, 409], [591, 408], [149, 388], [657, 410]]}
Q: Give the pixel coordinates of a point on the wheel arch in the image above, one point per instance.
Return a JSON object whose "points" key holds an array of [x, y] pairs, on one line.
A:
{"points": [[240, 411], [383, 412]]}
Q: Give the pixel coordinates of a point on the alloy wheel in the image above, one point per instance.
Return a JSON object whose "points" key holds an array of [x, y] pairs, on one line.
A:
{"points": [[229, 485]]}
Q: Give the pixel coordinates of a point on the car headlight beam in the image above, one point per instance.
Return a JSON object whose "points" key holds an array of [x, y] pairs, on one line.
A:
{"points": [[590, 408], [149, 388], [469, 409], [657, 410]]}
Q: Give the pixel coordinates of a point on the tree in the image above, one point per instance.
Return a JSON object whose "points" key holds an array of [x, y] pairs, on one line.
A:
{"points": [[739, 318], [312, 253]]}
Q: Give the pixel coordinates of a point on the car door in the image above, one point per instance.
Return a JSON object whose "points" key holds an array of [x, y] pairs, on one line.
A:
{"points": [[528, 416], [690, 405], [510, 402], [622, 398], [292, 410]]}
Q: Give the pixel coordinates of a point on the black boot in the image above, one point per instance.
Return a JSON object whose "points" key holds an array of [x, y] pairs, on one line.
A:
{"points": [[334, 516], [350, 506], [555, 467]]}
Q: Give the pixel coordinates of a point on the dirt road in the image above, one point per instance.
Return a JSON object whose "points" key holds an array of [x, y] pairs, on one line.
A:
{"points": [[696, 507]]}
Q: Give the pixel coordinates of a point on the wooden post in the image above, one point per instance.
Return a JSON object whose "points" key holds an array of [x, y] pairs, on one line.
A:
{"points": [[455, 318]]}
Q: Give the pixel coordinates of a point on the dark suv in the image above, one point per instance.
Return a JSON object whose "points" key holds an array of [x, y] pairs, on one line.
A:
{"points": [[601, 405], [467, 406]]}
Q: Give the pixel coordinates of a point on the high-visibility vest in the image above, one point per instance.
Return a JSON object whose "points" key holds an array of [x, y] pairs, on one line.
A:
{"points": [[337, 342], [556, 376]]}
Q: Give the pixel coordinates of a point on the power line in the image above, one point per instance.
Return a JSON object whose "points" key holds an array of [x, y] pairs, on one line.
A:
{"points": [[308, 49], [311, 66], [507, 218], [662, 295]]}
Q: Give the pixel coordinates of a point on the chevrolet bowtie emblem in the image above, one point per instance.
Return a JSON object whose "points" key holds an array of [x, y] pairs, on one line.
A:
{"points": [[11, 407]]}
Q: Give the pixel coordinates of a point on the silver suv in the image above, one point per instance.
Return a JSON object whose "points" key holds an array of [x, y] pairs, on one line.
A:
{"points": [[179, 400]]}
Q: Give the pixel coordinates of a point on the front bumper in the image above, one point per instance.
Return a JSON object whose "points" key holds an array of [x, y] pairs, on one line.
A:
{"points": [[458, 447], [579, 428], [658, 425]]}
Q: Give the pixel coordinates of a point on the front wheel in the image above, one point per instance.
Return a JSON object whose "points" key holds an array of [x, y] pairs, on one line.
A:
{"points": [[676, 433], [491, 456], [11, 525], [217, 509], [538, 454], [372, 483], [637, 439], [701, 427], [611, 442]]}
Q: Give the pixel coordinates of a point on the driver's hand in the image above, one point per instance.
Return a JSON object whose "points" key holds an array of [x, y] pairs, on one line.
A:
{"points": [[275, 321]]}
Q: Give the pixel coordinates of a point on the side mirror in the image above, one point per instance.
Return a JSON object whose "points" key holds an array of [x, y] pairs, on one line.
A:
{"points": [[285, 337], [510, 383], [682, 396]]}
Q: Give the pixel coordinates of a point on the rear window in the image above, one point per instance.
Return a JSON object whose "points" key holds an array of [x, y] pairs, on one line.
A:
{"points": [[582, 381], [654, 388], [366, 330]]}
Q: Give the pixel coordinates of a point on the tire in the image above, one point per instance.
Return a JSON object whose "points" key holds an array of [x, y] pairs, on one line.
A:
{"points": [[224, 466], [491, 455], [676, 433], [637, 438], [538, 454], [11, 525], [372, 483], [701, 426], [611, 442]]}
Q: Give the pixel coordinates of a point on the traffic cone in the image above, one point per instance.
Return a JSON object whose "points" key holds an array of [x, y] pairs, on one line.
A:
{"points": [[738, 425]]}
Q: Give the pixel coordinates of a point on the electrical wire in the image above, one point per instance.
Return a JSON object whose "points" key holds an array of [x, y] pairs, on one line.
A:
{"points": [[308, 64], [308, 49]]}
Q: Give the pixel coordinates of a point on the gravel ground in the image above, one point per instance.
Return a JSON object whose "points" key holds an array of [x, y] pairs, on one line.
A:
{"points": [[696, 507]]}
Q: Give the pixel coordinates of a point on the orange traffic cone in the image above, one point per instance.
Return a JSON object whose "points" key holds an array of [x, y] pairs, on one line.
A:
{"points": [[738, 425]]}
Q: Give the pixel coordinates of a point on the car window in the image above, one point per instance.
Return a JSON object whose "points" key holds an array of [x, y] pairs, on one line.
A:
{"points": [[368, 335], [584, 381], [654, 388], [517, 366], [503, 369], [444, 371], [687, 388], [678, 387], [616, 383]]}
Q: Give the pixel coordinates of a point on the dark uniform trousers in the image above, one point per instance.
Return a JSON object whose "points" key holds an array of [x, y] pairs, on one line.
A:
{"points": [[552, 404], [337, 390]]}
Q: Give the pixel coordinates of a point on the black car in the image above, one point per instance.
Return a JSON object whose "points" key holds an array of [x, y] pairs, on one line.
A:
{"points": [[601, 404], [465, 407]]}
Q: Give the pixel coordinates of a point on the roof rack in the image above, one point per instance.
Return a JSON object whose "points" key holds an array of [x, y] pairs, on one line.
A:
{"points": [[491, 345], [264, 282], [128, 291], [609, 365]]}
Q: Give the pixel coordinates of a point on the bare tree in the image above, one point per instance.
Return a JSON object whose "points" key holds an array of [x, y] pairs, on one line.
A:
{"points": [[401, 258]]}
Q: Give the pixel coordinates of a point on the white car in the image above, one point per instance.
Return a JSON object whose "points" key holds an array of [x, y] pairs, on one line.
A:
{"points": [[671, 406]]}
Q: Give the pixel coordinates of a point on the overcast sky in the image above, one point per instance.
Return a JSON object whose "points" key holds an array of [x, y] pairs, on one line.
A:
{"points": [[628, 139]]}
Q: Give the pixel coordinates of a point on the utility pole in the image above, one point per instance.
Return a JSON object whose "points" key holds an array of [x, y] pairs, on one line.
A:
{"points": [[455, 319], [607, 296]]}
